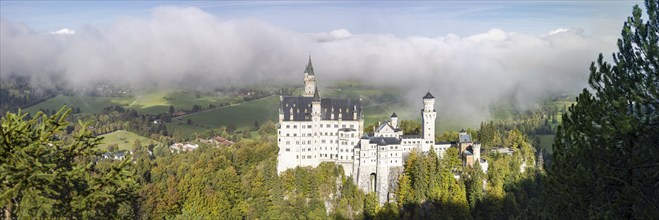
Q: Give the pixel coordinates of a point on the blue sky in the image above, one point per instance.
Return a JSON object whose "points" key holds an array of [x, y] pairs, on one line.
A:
{"points": [[401, 18]]}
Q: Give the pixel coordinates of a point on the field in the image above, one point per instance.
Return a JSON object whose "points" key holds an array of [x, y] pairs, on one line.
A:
{"points": [[151, 102], [123, 140], [86, 104], [159, 102], [240, 115]]}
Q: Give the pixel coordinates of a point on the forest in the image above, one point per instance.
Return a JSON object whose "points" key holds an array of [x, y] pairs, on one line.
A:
{"points": [[604, 164]]}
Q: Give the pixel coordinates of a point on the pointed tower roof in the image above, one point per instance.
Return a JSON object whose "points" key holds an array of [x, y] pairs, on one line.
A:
{"points": [[316, 95], [428, 96], [309, 68], [394, 115]]}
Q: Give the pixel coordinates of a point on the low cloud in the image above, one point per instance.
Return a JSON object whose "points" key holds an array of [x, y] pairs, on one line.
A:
{"points": [[187, 47]]}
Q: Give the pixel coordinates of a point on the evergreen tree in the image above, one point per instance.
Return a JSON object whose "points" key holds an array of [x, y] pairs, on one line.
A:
{"points": [[605, 153], [44, 173]]}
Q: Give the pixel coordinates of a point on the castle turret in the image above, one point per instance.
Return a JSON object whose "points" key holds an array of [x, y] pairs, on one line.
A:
{"points": [[394, 120], [315, 106], [309, 80], [281, 109], [428, 115], [476, 148]]}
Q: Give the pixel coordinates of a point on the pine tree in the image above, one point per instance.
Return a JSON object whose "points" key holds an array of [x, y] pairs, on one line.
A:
{"points": [[605, 153], [45, 173]]}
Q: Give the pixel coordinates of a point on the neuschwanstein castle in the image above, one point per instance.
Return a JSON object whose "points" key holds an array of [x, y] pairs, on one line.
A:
{"points": [[313, 130]]}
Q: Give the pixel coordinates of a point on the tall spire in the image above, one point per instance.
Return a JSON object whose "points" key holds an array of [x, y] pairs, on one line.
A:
{"points": [[316, 95], [309, 69], [428, 96]]}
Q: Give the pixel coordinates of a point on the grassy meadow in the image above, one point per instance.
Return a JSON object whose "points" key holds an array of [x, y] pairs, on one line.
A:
{"points": [[151, 102], [87, 104], [240, 115], [123, 140]]}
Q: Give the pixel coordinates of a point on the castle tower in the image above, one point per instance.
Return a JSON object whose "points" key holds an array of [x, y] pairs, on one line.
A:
{"points": [[394, 120], [309, 80], [476, 148], [428, 116], [315, 106]]}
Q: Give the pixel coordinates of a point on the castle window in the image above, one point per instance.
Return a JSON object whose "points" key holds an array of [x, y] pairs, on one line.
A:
{"points": [[308, 126], [343, 126], [297, 157], [352, 126], [337, 126], [294, 126], [288, 150], [295, 134], [288, 142]]}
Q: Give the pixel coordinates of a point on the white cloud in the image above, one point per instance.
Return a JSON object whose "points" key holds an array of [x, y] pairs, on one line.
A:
{"points": [[559, 30], [188, 47], [63, 31], [332, 35]]}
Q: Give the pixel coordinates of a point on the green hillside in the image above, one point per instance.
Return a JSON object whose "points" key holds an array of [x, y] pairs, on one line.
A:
{"points": [[152, 102], [87, 104], [123, 140], [239, 115]]}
